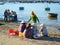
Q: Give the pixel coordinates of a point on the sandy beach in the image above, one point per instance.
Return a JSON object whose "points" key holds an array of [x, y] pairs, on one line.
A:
{"points": [[5, 39]]}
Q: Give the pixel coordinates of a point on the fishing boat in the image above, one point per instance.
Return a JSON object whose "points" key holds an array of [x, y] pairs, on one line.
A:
{"points": [[1, 3], [52, 14], [21, 8], [47, 9]]}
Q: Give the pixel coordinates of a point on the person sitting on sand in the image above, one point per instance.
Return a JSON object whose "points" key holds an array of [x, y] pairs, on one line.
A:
{"points": [[21, 28], [35, 33], [28, 32], [43, 30], [33, 17]]}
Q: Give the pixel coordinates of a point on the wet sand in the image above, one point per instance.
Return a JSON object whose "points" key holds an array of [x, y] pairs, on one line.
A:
{"points": [[5, 39]]}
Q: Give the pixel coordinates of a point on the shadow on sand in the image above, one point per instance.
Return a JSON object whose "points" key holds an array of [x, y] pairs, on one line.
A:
{"points": [[1, 24], [49, 39]]}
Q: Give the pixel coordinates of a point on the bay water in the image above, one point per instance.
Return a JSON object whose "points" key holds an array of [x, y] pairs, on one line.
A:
{"points": [[38, 8]]}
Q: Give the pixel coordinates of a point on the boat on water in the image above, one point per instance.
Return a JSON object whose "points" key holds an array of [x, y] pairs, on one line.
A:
{"points": [[52, 14], [47, 9], [2, 3], [21, 8]]}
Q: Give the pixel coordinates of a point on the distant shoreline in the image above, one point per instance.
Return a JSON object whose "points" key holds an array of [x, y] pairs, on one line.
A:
{"points": [[33, 1]]}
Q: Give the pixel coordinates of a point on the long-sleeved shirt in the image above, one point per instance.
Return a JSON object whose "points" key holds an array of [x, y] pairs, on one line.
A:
{"points": [[34, 18]]}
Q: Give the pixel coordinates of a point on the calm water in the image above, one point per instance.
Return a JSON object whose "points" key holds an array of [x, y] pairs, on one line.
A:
{"points": [[38, 8]]}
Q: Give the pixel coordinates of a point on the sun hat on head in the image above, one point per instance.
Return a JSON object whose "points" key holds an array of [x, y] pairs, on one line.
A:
{"points": [[22, 21], [42, 25]]}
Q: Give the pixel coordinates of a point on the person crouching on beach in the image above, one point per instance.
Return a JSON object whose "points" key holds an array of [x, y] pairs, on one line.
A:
{"points": [[21, 28], [35, 33], [43, 30], [28, 32], [33, 17]]}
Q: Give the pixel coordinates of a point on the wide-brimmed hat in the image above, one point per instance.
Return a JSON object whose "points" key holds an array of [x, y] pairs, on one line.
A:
{"points": [[22, 21], [42, 25]]}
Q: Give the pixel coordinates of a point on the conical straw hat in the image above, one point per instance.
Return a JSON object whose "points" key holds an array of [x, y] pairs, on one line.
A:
{"points": [[22, 21], [42, 25]]}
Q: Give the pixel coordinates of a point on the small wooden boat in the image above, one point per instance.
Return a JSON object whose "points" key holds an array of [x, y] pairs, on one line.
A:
{"points": [[52, 18], [47, 9], [21, 8], [52, 14], [1, 3]]}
